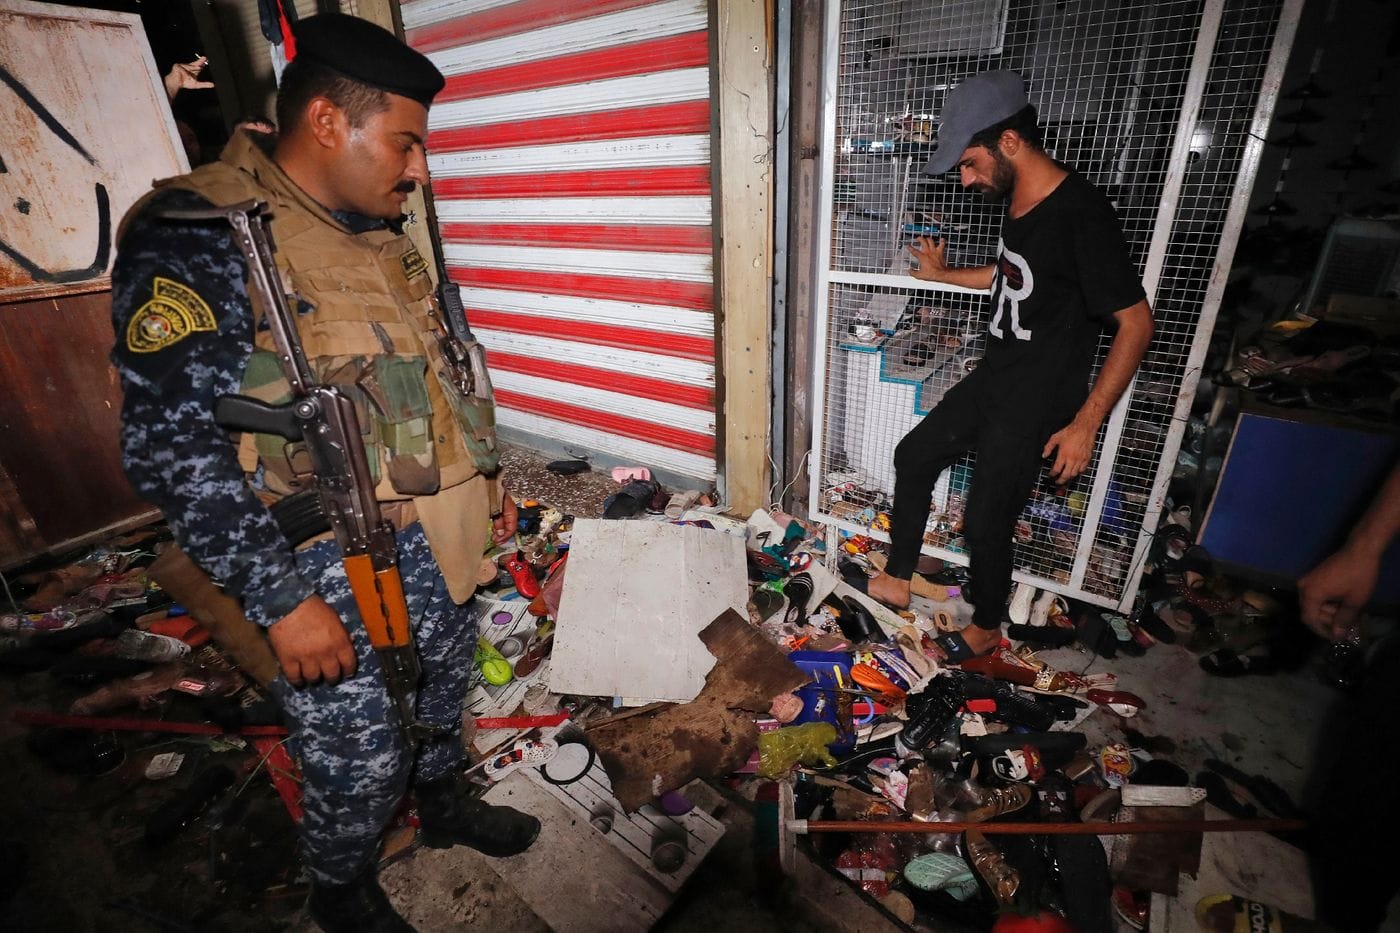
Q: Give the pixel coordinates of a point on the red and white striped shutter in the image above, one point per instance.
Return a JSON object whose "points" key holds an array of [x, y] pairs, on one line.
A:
{"points": [[570, 160]]}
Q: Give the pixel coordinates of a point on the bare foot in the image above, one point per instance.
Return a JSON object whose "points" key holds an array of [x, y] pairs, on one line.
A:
{"points": [[889, 590]]}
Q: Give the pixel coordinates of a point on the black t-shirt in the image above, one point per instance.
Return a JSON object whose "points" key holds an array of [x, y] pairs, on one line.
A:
{"points": [[1062, 269]]}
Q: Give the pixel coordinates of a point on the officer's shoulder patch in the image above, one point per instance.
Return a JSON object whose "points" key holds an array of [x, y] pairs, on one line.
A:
{"points": [[173, 313], [413, 263]]}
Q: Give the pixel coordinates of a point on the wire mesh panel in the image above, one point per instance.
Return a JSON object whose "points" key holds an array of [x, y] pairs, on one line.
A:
{"points": [[1154, 103]]}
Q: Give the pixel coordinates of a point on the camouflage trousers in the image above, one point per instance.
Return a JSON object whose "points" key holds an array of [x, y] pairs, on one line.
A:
{"points": [[354, 762]]}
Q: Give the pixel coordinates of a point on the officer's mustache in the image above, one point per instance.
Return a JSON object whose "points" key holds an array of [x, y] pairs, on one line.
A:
{"points": [[406, 186]]}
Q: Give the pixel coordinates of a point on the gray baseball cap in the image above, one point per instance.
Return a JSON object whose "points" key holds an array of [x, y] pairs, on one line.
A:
{"points": [[979, 102]]}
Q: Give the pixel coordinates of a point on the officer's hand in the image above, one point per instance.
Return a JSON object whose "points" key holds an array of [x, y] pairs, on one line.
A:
{"points": [[1333, 594], [311, 644], [932, 257], [503, 525]]}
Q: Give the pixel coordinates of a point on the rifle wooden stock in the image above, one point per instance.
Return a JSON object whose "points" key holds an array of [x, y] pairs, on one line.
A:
{"points": [[379, 596]]}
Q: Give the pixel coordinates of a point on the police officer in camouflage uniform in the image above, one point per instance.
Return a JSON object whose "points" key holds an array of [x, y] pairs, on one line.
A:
{"points": [[352, 111]]}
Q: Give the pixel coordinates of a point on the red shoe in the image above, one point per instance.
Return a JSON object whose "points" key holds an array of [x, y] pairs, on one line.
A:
{"points": [[525, 583]]}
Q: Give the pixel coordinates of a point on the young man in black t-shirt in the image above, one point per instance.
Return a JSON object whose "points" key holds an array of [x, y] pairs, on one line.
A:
{"points": [[1062, 273]]}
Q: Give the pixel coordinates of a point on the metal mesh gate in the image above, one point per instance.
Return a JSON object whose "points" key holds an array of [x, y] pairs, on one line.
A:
{"points": [[1163, 105]]}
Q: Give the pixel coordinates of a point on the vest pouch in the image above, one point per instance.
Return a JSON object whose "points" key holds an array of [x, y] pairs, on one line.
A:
{"points": [[397, 387], [476, 417]]}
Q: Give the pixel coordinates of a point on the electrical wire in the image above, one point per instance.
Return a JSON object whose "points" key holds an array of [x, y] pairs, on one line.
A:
{"points": [[775, 502]]}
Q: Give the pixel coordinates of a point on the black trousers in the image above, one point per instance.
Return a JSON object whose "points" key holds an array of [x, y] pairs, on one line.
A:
{"points": [[1356, 814], [1008, 461]]}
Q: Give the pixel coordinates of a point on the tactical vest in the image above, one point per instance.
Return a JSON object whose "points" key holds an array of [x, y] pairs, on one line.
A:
{"points": [[366, 315]]}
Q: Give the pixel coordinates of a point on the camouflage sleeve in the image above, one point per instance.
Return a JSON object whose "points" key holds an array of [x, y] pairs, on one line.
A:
{"points": [[183, 334]]}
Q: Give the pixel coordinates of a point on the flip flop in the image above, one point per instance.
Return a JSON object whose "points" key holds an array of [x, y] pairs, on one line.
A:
{"points": [[956, 648], [1264, 791]]}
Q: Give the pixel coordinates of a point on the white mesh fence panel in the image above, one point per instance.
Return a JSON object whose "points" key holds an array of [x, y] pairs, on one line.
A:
{"points": [[1153, 102]]}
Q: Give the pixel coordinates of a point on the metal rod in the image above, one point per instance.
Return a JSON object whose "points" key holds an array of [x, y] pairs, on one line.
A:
{"points": [[34, 717], [1050, 829]]}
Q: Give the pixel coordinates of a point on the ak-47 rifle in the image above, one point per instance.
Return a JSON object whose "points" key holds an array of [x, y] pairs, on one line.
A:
{"points": [[465, 357], [324, 419]]}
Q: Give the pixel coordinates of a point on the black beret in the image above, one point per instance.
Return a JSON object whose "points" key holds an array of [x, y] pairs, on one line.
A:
{"points": [[367, 53]]}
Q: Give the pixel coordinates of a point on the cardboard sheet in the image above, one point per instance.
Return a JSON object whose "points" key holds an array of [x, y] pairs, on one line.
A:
{"points": [[635, 600]]}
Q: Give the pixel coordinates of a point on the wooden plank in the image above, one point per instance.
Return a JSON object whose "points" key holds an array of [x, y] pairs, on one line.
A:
{"points": [[572, 877], [745, 181], [806, 114], [82, 90], [60, 415], [633, 834]]}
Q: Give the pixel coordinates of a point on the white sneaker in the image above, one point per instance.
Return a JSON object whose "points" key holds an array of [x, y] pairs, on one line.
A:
{"points": [[1040, 610], [1020, 609]]}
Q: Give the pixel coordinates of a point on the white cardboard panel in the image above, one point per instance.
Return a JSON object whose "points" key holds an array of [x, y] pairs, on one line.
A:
{"points": [[636, 596]]}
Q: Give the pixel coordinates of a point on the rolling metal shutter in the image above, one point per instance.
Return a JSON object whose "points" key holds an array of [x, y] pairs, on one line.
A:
{"points": [[570, 160]]}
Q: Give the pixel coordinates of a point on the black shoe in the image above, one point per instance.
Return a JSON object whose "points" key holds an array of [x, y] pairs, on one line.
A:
{"points": [[358, 907], [448, 817]]}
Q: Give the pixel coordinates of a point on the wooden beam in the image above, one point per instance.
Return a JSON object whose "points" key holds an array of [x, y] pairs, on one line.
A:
{"points": [[806, 117], [744, 186]]}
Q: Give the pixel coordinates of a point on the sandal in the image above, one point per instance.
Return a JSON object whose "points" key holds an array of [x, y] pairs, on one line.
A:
{"points": [[956, 650], [1049, 636], [1227, 663], [1026, 654], [910, 642], [944, 621]]}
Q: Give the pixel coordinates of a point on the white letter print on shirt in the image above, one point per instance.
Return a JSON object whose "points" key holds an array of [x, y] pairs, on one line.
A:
{"points": [[1014, 284]]}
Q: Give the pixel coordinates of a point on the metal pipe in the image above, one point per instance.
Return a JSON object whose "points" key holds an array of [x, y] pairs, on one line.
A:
{"points": [[1049, 829]]}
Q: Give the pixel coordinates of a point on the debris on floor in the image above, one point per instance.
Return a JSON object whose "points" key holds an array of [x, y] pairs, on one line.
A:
{"points": [[951, 792]]}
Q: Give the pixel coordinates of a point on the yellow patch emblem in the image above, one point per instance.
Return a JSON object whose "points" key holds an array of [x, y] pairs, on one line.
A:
{"points": [[413, 263], [174, 312]]}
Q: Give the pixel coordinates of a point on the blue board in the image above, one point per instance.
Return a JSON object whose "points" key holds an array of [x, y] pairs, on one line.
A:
{"points": [[1290, 492]]}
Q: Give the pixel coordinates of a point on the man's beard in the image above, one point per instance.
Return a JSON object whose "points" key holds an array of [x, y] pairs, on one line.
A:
{"points": [[1003, 179]]}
